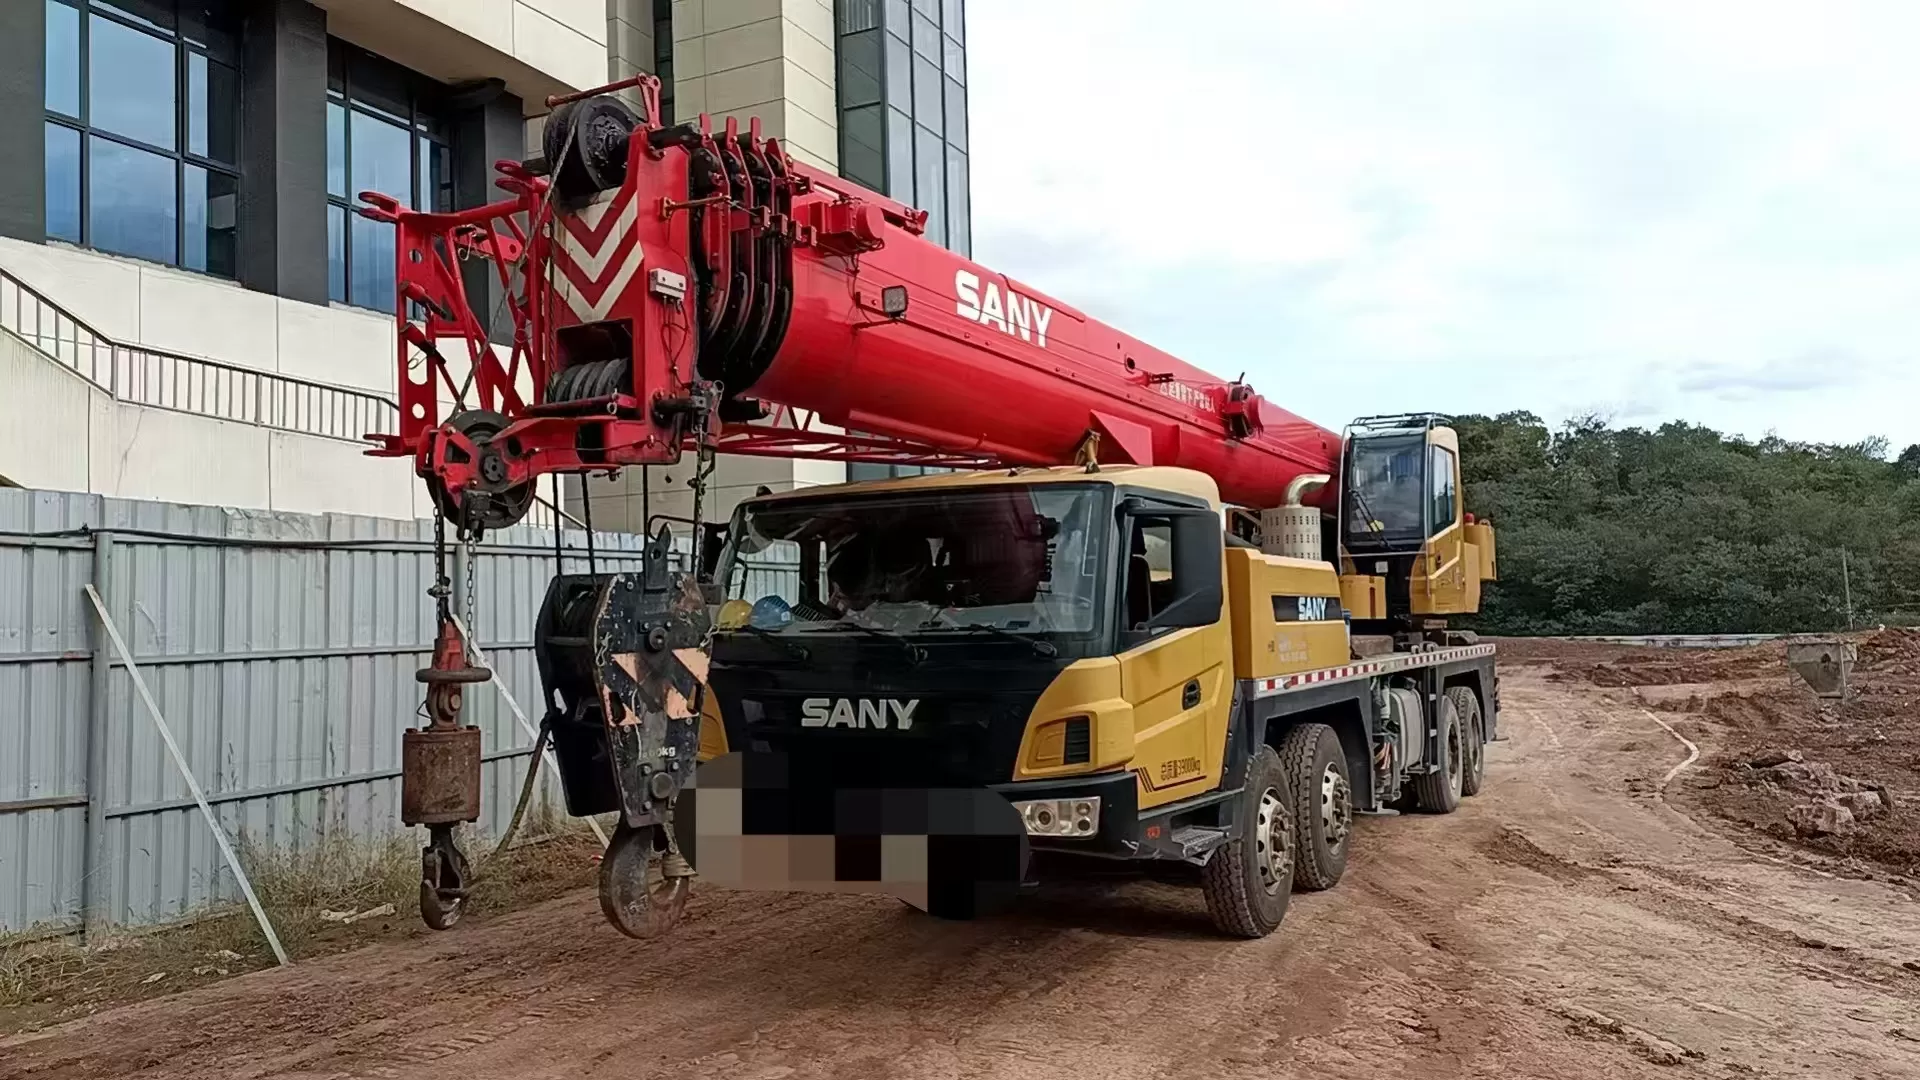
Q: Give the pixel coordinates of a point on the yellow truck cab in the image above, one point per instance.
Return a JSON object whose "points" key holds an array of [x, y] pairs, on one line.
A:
{"points": [[1128, 677]]}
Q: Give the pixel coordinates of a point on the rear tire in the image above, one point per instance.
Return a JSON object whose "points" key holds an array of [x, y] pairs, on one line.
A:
{"points": [[1316, 766], [1438, 792], [1249, 880], [1474, 739]]}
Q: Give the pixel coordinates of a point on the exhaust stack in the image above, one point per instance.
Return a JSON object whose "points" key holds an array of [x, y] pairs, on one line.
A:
{"points": [[1293, 530]]}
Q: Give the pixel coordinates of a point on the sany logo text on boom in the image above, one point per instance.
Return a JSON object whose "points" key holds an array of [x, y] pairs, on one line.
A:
{"points": [[1016, 316]]}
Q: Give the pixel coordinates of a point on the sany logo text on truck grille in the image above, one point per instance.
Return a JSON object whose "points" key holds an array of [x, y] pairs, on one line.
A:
{"points": [[1018, 316], [858, 713]]}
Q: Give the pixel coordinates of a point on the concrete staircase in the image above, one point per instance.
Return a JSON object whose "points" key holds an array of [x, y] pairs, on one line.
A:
{"points": [[80, 411]]}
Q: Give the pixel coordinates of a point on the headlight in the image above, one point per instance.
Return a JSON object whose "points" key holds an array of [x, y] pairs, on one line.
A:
{"points": [[1061, 817]]}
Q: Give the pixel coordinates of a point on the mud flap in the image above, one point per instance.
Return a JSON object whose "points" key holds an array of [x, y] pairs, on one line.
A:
{"points": [[752, 821]]}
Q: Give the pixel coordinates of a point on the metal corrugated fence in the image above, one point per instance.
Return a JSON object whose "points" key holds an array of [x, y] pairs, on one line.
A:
{"points": [[286, 672]]}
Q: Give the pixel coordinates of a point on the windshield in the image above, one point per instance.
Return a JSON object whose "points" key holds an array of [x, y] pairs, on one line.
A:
{"points": [[1386, 490], [1024, 559]]}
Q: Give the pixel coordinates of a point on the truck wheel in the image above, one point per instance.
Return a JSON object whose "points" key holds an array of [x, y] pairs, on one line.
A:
{"points": [[1316, 766], [1473, 731], [1438, 792], [1249, 879]]}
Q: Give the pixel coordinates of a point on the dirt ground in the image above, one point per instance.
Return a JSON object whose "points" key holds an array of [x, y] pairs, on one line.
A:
{"points": [[1590, 914], [1837, 777], [374, 886]]}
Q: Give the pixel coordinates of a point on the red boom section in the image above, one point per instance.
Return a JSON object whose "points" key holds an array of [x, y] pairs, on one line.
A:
{"points": [[983, 363], [673, 287]]}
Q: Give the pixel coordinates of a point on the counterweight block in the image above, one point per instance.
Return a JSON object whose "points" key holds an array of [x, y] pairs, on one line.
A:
{"points": [[439, 775]]}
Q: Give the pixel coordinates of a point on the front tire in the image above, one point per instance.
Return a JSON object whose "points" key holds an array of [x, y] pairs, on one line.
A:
{"points": [[1438, 791], [1316, 766], [1249, 880]]}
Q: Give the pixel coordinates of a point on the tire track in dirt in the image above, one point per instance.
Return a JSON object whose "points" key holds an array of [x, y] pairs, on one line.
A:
{"points": [[1558, 925]]}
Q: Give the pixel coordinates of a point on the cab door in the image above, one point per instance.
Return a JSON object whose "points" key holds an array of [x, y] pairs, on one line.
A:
{"points": [[1174, 648], [1441, 574]]}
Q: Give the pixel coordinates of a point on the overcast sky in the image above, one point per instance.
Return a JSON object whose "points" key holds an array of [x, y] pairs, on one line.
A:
{"points": [[1657, 210]]}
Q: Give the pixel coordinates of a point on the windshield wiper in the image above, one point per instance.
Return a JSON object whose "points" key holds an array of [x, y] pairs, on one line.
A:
{"points": [[915, 653], [1043, 648], [794, 648]]}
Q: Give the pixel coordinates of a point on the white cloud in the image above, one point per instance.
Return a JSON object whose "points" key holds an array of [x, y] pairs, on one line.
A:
{"points": [[1702, 211]]}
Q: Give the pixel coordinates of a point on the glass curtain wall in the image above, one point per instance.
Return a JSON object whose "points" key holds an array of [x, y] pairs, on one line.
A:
{"points": [[903, 107], [143, 128], [903, 121], [384, 134]]}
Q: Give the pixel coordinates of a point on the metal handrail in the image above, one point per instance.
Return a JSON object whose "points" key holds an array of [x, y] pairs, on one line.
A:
{"points": [[157, 378], [174, 381]]}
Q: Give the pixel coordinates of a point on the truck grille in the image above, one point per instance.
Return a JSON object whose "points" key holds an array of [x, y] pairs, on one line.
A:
{"points": [[953, 742]]}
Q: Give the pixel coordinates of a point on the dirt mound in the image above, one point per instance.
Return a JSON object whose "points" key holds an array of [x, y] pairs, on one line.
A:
{"points": [[1842, 777], [1555, 650], [1833, 801], [1891, 648], [1753, 714], [1815, 804], [1672, 667]]}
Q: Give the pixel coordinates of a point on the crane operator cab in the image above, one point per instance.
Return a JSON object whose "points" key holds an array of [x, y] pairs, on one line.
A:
{"points": [[1409, 553]]}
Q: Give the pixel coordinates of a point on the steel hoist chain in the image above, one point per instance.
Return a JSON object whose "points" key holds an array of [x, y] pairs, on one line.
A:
{"points": [[471, 538]]}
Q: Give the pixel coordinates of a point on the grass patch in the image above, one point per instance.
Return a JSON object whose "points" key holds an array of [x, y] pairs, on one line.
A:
{"points": [[48, 980]]}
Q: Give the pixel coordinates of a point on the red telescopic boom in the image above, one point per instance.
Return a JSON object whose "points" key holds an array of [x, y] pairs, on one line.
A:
{"points": [[683, 286]]}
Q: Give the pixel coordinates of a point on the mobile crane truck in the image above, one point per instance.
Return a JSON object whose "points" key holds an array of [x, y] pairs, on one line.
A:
{"points": [[1150, 616]]}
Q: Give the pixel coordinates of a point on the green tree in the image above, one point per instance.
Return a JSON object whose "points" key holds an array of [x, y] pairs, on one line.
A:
{"points": [[1681, 529]]}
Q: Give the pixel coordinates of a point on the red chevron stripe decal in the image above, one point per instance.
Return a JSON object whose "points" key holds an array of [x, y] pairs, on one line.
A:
{"points": [[597, 254], [592, 223], [590, 288]]}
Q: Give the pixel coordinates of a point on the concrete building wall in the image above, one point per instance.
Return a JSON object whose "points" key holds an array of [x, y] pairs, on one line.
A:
{"points": [[43, 408], [629, 38], [538, 46], [771, 59], [767, 58], [59, 432], [142, 303], [271, 311]]}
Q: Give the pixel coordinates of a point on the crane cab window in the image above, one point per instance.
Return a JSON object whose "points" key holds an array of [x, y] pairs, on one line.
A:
{"points": [[1440, 469], [1388, 492]]}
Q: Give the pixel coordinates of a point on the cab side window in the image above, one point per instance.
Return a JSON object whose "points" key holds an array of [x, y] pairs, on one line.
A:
{"points": [[1149, 584], [1441, 485]]}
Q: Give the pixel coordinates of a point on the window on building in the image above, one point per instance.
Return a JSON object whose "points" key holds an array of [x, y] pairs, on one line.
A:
{"points": [[903, 107], [863, 139], [143, 128], [930, 181], [384, 134], [663, 55]]}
